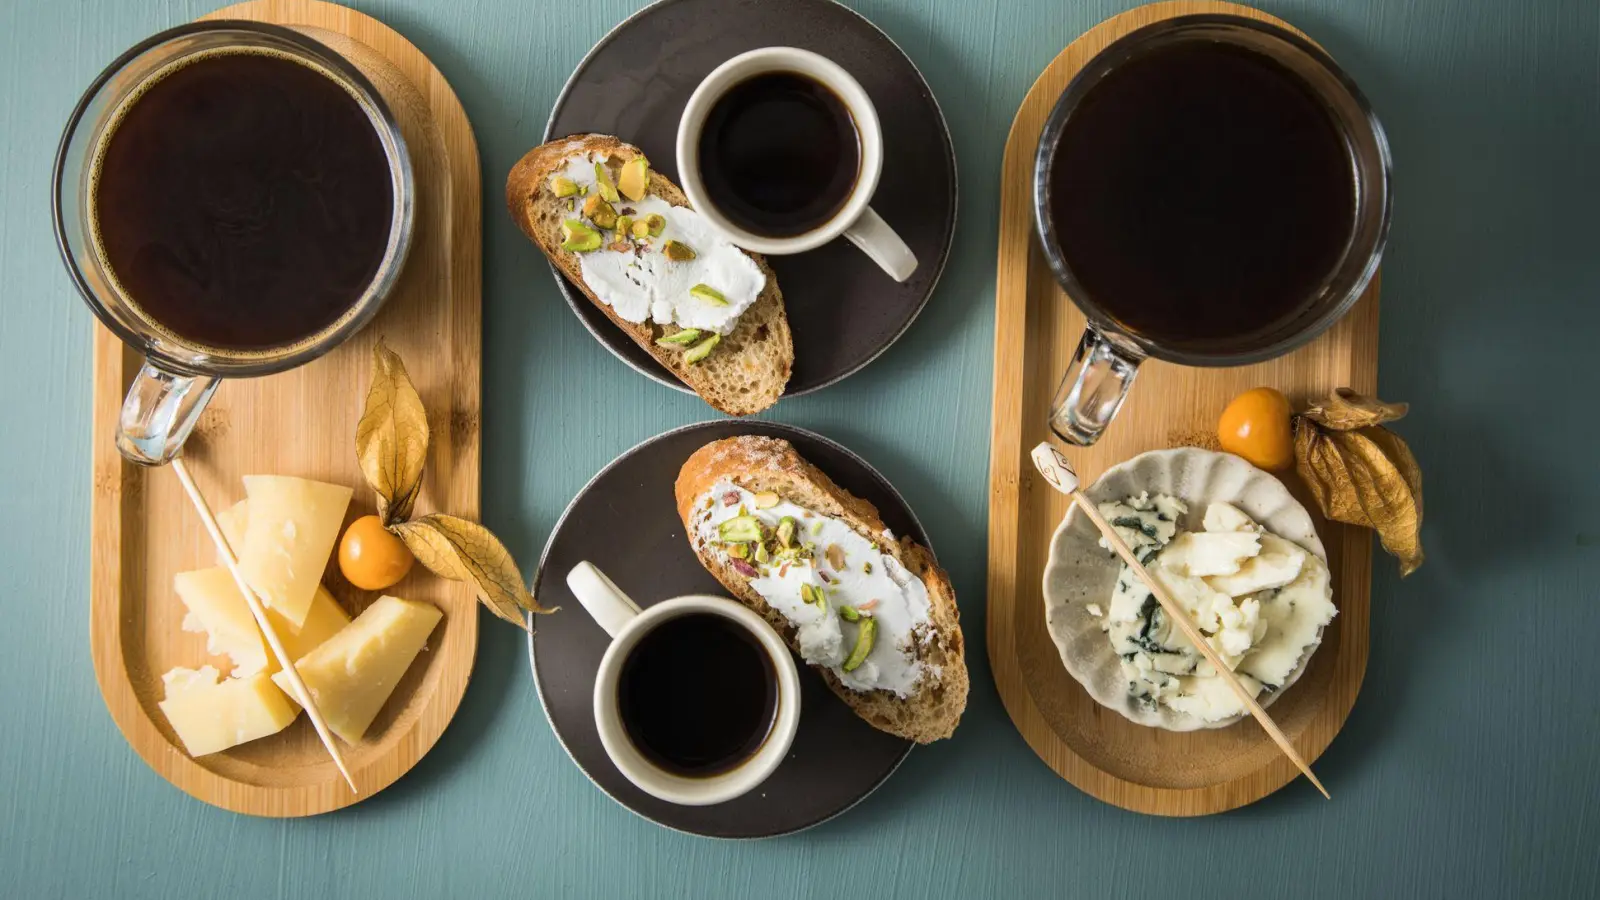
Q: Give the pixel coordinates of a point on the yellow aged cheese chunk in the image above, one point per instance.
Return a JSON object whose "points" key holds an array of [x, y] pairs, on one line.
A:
{"points": [[353, 673], [293, 524], [211, 715], [218, 609], [232, 521]]}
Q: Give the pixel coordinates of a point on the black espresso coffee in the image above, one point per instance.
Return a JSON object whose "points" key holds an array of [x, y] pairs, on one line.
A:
{"points": [[697, 695], [242, 201], [1201, 192], [779, 154]]}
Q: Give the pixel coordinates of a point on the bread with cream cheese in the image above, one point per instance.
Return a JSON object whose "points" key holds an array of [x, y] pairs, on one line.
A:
{"points": [[748, 369], [759, 464]]}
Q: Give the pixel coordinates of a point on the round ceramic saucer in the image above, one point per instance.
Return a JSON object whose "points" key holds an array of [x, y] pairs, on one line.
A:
{"points": [[625, 522], [843, 309]]}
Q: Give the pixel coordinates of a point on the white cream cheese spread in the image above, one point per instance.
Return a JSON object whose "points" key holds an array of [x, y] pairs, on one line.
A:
{"points": [[635, 278], [828, 581], [1260, 600]]}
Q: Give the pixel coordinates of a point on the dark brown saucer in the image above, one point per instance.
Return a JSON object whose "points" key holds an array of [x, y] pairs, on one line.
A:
{"points": [[625, 522], [843, 309]]}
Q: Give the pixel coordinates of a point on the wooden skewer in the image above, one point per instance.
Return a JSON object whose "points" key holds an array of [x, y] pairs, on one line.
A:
{"points": [[1059, 472], [302, 693]]}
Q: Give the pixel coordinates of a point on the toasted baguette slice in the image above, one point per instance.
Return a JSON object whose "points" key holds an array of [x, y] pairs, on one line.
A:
{"points": [[769, 464], [750, 367]]}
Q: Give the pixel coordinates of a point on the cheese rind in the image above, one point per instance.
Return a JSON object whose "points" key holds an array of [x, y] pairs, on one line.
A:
{"points": [[217, 608], [353, 673], [293, 524], [211, 714]]}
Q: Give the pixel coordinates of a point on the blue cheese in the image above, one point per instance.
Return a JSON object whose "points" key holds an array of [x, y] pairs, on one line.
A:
{"points": [[635, 278], [1144, 523], [1260, 601]]}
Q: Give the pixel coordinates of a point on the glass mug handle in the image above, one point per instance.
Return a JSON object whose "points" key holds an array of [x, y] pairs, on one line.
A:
{"points": [[159, 412], [1092, 390]]}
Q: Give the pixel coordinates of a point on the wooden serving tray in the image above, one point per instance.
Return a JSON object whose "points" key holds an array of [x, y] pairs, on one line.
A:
{"points": [[1036, 331], [303, 423]]}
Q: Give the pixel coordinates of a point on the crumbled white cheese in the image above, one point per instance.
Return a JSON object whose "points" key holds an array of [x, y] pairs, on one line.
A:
{"points": [[869, 578], [639, 283], [1275, 566]]}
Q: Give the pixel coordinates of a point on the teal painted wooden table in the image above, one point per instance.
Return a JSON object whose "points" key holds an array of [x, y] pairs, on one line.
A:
{"points": [[1468, 768]]}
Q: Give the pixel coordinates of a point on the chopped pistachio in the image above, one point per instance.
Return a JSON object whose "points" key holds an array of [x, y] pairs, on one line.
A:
{"points": [[740, 529], [603, 214], [624, 226], [739, 551], [657, 223], [709, 294], [810, 593], [563, 186], [866, 568], [766, 499], [849, 613], [635, 178], [761, 553], [578, 237], [786, 526], [816, 528], [640, 228], [835, 554], [702, 350], [680, 338], [864, 638], [678, 251], [602, 179]]}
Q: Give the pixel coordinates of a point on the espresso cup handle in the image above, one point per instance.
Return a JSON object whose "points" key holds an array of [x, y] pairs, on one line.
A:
{"points": [[877, 240], [1092, 390], [159, 412], [609, 606]]}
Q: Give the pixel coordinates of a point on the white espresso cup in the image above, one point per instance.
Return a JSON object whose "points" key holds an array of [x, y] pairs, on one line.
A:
{"points": [[628, 624], [854, 218]]}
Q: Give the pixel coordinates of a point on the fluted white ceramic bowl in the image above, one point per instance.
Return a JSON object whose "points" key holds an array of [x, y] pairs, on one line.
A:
{"points": [[1079, 571]]}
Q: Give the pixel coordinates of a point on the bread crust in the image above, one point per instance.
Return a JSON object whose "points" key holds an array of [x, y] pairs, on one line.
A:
{"points": [[757, 463], [758, 354]]}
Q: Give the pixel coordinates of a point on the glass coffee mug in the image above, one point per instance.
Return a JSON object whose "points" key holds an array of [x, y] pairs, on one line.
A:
{"points": [[180, 374], [1108, 356]]}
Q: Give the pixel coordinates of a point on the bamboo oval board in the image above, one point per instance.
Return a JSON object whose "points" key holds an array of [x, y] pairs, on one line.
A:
{"points": [[303, 423], [1037, 328]]}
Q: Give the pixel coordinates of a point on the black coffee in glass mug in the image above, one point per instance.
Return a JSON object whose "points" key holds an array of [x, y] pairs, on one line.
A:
{"points": [[1211, 191], [232, 199], [242, 200]]}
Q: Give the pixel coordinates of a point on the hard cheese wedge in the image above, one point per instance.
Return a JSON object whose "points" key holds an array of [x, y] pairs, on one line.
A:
{"points": [[232, 521], [353, 673], [211, 715], [218, 609], [293, 524]]}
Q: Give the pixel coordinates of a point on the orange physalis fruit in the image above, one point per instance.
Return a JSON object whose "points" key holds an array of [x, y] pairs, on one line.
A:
{"points": [[370, 557], [1256, 426]]}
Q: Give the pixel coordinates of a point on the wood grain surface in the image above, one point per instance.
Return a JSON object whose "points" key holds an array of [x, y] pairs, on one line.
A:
{"points": [[303, 423], [1037, 328], [1467, 768]]}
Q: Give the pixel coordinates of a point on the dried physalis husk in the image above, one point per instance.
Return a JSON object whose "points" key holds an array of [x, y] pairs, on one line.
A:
{"points": [[466, 551], [392, 436], [1361, 472], [392, 448]]}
